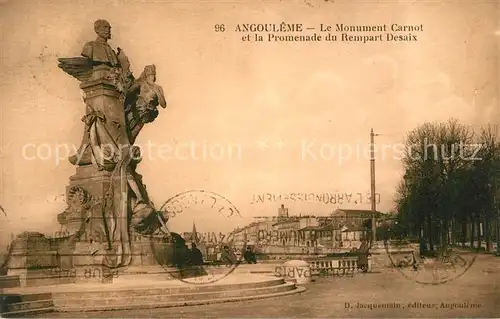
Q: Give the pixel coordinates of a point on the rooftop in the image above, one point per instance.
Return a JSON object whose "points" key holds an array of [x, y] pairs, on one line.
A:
{"points": [[340, 211], [316, 228]]}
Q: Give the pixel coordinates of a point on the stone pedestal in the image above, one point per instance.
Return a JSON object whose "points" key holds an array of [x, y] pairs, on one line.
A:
{"points": [[89, 250], [31, 250], [92, 181], [143, 250], [88, 187], [102, 95], [95, 274], [102, 98], [33, 258], [297, 270]]}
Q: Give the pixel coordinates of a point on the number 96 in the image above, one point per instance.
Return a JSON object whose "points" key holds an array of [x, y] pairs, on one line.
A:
{"points": [[220, 28]]}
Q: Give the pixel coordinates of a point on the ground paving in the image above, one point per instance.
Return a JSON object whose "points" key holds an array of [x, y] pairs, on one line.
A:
{"points": [[383, 294]]}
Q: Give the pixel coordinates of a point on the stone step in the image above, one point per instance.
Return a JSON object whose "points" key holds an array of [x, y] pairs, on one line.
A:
{"points": [[166, 303], [9, 281], [30, 305], [25, 305], [171, 273], [138, 291], [15, 298], [143, 294], [62, 302], [26, 313]]}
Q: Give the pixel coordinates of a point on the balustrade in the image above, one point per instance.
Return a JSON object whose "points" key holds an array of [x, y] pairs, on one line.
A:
{"points": [[334, 266]]}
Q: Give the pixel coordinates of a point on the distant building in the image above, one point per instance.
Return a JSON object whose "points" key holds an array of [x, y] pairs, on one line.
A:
{"points": [[353, 217], [351, 226], [282, 213], [285, 234], [249, 235], [356, 213]]}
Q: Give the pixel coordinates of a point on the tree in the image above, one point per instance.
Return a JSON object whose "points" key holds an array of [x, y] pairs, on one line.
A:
{"points": [[438, 171], [486, 172]]}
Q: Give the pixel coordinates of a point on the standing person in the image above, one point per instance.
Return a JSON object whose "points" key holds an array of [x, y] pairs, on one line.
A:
{"points": [[196, 261], [422, 246], [363, 252], [249, 256], [196, 256], [181, 252]]}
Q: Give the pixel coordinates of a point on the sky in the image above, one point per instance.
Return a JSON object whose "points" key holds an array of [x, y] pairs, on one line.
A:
{"points": [[268, 114]]}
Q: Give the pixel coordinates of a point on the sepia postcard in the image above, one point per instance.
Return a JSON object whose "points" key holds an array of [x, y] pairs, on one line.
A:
{"points": [[249, 159]]}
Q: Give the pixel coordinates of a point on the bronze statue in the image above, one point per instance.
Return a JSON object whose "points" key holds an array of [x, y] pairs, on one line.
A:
{"points": [[99, 51], [143, 98], [95, 53], [113, 120]]}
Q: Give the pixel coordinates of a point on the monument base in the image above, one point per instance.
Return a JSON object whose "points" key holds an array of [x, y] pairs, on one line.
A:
{"points": [[144, 293], [40, 261]]}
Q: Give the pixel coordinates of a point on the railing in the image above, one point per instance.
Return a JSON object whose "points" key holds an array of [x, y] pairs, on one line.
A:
{"points": [[345, 265]]}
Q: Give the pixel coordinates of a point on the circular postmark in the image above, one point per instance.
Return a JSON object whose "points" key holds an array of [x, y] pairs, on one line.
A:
{"points": [[201, 245], [439, 266]]}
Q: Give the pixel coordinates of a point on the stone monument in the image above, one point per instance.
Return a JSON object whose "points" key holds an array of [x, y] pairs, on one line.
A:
{"points": [[108, 205], [110, 221]]}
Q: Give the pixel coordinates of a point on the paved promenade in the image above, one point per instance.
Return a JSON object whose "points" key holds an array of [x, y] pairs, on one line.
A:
{"points": [[385, 293]]}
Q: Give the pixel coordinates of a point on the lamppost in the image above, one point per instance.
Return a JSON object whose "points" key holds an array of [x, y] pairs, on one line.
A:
{"points": [[372, 182], [495, 200], [496, 210]]}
